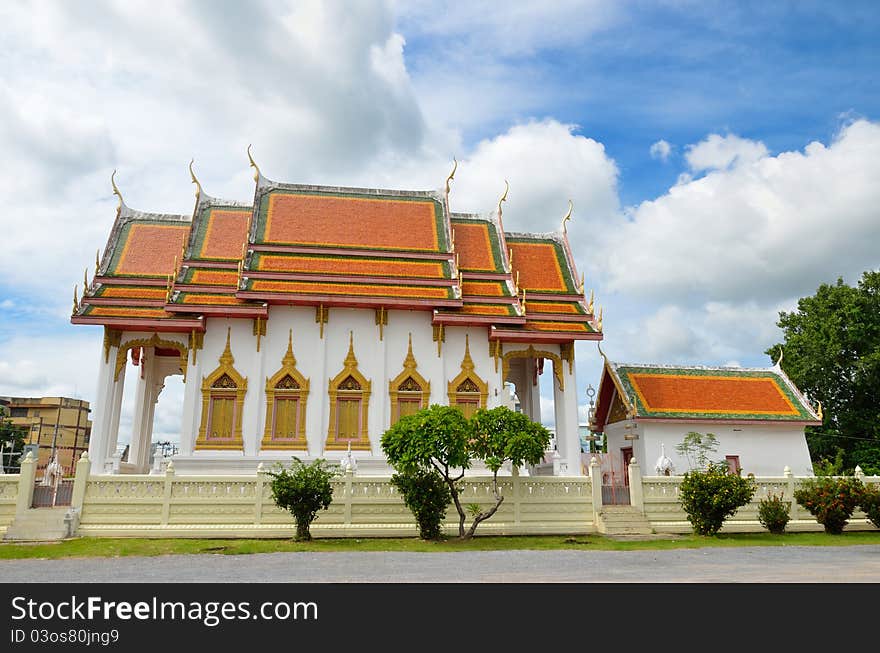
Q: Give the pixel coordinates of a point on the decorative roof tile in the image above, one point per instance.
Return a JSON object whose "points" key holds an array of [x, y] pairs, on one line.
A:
{"points": [[351, 218], [349, 265], [717, 393]]}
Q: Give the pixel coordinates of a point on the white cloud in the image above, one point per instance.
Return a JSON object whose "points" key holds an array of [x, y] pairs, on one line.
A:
{"points": [[315, 86], [661, 150], [34, 366], [722, 152], [767, 231]]}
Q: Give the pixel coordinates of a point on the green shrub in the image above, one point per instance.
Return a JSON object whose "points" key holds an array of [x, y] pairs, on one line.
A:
{"points": [[709, 497], [870, 503], [303, 490], [426, 494], [830, 500], [773, 513]]}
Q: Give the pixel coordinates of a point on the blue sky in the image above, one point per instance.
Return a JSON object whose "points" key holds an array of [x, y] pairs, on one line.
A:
{"points": [[722, 157]]}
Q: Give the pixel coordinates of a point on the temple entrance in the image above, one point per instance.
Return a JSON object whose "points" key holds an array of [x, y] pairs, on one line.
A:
{"points": [[533, 380]]}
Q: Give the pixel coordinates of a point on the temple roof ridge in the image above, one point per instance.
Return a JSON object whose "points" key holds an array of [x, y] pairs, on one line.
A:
{"points": [[268, 185], [702, 368]]}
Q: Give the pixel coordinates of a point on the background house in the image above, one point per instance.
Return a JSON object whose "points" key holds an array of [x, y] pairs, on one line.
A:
{"points": [[757, 415]]}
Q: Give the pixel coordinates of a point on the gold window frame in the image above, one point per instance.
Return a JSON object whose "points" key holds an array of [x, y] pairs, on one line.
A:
{"points": [[349, 369], [288, 368], [409, 371], [227, 362], [467, 373]]}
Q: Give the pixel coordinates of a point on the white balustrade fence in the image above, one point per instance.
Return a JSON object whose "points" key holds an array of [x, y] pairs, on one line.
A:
{"points": [[126, 505]]}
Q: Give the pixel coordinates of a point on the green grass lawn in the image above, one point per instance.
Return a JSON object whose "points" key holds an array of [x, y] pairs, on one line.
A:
{"points": [[107, 547]]}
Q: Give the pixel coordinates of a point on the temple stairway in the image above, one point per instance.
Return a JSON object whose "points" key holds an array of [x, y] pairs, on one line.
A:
{"points": [[622, 520], [39, 525]]}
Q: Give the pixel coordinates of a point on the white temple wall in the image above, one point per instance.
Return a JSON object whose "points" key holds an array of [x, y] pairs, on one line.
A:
{"points": [[763, 449]]}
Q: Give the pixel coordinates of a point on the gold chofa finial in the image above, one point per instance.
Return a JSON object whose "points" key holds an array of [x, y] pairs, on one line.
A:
{"points": [[451, 177], [601, 352], [779, 360], [600, 319], [116, 192], [503, 198], [85, 280], [567, 217], [819, 411], [590, 307], [194, 180], [253, 164], [581, 285], [97, 261], [75, 300]]}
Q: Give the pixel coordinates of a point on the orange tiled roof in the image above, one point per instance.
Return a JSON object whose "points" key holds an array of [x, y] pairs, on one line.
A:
{"points": [[348, 265], [148, 249], [297, 217], [540, 265], [351, 289], [392, 246], [716, 393], [223, 234]]}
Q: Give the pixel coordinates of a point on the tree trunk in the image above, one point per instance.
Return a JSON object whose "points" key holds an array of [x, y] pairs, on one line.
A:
{"points": [[302, 531], [483, 516], [454, 492]]}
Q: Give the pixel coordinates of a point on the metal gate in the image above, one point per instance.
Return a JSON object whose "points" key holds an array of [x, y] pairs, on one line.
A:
{"points": [[49, 496], [615, 481]]}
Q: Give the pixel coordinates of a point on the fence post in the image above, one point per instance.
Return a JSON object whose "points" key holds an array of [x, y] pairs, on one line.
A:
{"points": [[596, 486], [793, 511], [166, 496], [349, 476], [258, 497], [80, 481], [636, 495], [26, 476], [514, 472]]}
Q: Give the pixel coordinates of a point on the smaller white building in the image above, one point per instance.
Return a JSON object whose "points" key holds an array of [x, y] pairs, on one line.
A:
{"points": [[757, 415]]}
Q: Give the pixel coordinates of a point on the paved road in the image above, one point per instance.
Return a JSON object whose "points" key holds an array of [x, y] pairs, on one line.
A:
{"points": [[790, 564]]}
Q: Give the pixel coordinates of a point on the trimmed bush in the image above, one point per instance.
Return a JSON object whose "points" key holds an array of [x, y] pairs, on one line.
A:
{"points": [[830, 500], [426, 494], [870, 503], [709, 497], [773, 513], [303, 490]]}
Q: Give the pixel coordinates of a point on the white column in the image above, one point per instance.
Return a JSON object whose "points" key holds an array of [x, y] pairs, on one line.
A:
{"points": [[533, 390], [142, 424], [101, 412], [192, 404], [566, 408], [115, 412]]}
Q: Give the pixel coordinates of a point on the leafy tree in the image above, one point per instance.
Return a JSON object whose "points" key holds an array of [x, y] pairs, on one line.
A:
{"points": [[696, 447], [433, 438], [442, 439], [832, 354], [303, 490], [501, 435], [709, 497], [12, 439], [425, 493]]}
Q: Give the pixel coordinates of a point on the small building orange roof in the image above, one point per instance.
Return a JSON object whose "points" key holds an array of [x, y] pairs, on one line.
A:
{"points": [[704, 393]]}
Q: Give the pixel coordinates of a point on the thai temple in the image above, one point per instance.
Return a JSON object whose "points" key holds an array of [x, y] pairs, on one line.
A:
{"points": [[308, 322]]}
